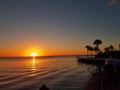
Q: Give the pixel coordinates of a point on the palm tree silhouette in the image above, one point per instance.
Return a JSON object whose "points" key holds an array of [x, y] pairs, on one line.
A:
{"points": [[97, 42], [91, 49], [111, 48], [96, 49], [106, 49], [87, 47]]}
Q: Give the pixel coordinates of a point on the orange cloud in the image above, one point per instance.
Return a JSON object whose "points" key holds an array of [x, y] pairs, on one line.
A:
{"points": [[113, 2]]}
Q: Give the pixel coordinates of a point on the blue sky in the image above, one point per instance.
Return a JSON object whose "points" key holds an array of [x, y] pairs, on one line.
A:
{"points": [[58, 25]]}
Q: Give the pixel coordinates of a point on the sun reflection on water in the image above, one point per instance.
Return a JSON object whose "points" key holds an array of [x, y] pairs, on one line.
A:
{"points": [[33, 67], [33, 63]]}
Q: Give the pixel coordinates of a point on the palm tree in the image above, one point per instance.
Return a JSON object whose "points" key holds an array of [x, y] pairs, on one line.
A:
{"points": [[111, 48], [96, 49], [106, 49], [91, 50], [97, 42], [87, 47]]}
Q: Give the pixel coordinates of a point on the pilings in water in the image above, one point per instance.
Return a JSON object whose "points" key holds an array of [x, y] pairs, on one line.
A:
{"points": [[91, 61]]}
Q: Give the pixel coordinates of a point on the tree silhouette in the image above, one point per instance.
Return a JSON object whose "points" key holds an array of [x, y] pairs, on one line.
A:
{"points": [[91, 49], [106, 49], [96, 49], [111, 48], [87, 47], [97, 42]]}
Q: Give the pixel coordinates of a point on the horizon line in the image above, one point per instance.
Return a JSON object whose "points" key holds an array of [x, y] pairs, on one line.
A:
{"points": [[38, 56]]}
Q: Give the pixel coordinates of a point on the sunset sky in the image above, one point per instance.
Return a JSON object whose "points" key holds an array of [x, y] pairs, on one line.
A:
{"points": [[57, 27]]}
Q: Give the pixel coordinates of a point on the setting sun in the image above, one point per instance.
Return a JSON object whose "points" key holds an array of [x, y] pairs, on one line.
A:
{"points": [[34, 54]]}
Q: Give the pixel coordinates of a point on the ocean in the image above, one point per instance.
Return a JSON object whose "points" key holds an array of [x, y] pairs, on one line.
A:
{"points": [[57, 73]]}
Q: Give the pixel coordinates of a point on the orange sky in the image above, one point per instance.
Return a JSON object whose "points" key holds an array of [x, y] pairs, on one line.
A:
{"points": [[40, 53], [58, 27]]}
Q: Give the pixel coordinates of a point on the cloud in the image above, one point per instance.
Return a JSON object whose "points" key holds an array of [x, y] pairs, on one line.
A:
{"points": [[113, 2]]}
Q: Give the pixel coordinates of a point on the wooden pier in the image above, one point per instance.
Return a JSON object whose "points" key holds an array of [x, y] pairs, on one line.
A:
{"points": [[91, 61], [95, 83]]}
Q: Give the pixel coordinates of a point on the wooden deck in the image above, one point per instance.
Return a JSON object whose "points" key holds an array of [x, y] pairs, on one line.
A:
{"points": [[95, 83], [99, 81]]}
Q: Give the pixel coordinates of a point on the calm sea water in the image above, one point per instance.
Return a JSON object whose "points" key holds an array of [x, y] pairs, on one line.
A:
{"points": [[57, 73]]}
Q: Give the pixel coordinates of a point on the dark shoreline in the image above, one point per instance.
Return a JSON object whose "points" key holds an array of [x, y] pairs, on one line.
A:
{"points": [[101, 80]]}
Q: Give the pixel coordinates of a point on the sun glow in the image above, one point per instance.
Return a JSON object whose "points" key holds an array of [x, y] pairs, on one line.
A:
{"points": [[34, 54]]}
